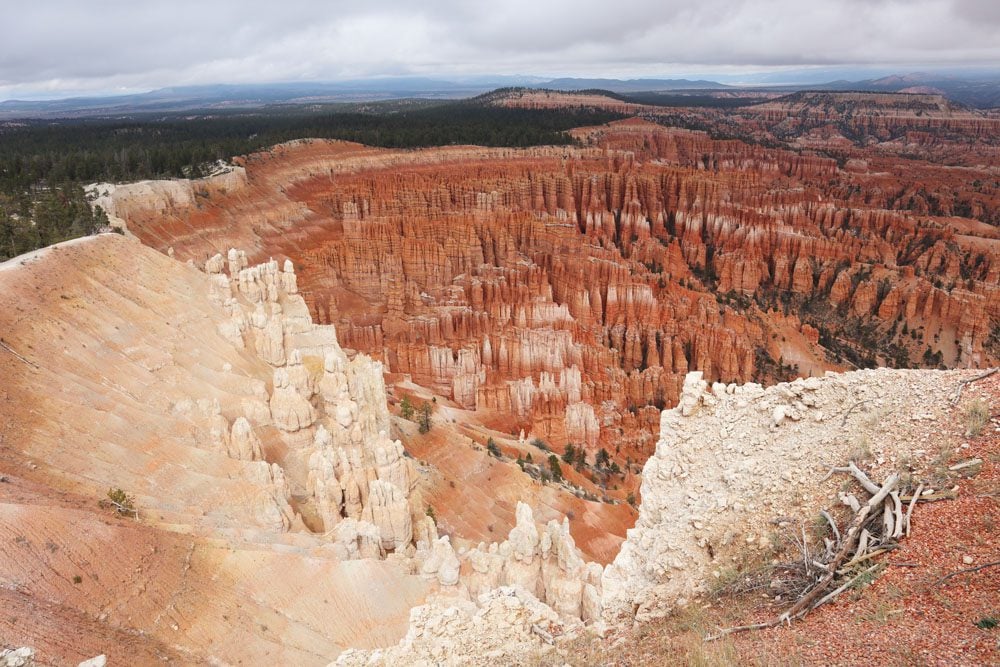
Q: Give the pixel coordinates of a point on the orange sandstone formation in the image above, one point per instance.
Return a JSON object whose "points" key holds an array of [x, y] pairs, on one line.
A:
{"points": [[571, 289]]}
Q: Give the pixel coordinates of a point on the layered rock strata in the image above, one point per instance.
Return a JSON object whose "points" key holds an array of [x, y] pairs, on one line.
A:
{"points": [[570, 290], [125, 369]]}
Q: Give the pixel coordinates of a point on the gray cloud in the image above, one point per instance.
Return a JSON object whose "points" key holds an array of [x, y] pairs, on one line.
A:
{"points": [[65, 46]]}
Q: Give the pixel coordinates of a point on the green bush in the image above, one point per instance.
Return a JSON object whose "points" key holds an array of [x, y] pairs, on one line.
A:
{"points": [[425, 417], [555, 467], [406, 408]]}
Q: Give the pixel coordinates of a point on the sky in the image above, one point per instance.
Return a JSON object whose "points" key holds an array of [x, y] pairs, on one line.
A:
{"points": [[60, 48]]}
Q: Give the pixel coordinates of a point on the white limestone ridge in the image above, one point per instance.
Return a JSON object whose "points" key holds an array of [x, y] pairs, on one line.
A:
{"points": [[733, 459], [331, 413], [333, 419]]}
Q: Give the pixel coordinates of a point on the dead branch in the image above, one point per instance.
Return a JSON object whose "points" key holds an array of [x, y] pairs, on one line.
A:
{"points": [[863, 479], [897, 514], [869, 534], [968, 570], [833, 524], [863, 558], [862, 543], [913, 503], [851, 501], [849, 542], [963, 383], [123, 509], [851, 409], [741, 628], [782, 619], [965, 464], [805, 549], [840, 589], [858, 474], [931, 497]]}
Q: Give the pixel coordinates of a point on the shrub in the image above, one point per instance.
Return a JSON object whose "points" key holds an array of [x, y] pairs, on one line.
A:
{"points": [[976, 416], [406, 408], [493, 448], [425, 417], [602, 458], [555, 467], [121, 502], [538, 442], [569, 454]]}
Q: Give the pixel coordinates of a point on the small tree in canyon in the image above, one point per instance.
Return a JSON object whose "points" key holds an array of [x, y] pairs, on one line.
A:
{"points": [[425, 417], [406, 408]]}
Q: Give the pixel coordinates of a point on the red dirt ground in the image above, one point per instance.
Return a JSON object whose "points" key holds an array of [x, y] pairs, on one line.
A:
{"points": [[906, 617]]}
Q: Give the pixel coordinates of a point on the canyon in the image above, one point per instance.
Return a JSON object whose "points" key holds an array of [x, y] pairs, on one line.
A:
{"points": [[566, 292], [676, 321]]}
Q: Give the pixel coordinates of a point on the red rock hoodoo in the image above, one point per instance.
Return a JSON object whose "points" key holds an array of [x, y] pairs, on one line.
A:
{"points": [[565, 292]]}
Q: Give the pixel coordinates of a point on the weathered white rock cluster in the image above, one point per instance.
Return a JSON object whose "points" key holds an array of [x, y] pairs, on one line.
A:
{"points": [[17, 657], [328, 415], [329, 411], [732, 461], [505, 628], [498, 604], [544, 563]]}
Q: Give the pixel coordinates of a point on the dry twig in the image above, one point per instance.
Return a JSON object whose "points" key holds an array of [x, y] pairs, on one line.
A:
{"points": [[856, 540], [963, 383], [851, 409], [968, 570]]}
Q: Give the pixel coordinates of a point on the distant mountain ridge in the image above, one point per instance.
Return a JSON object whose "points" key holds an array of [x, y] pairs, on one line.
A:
{"points": [[631, 85], [974, 92]]}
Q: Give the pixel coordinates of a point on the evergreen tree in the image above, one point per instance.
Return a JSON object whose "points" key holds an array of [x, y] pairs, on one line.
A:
{"points": [[406, 408], [555, 468], [425, 417], [602, 458], [493, 448]]}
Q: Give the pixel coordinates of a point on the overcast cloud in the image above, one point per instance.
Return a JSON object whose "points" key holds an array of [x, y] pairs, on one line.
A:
{"points": [[59, 47]]}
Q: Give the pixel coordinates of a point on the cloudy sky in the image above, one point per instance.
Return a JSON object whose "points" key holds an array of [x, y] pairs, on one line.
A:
{"points": [[54, 48]]}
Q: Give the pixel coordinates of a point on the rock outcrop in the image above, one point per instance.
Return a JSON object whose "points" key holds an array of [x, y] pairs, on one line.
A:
{"points": [[497, 604], [124, 368], [545, 563], [17, 657], [733, 459], [504, 628], [330, 413]]}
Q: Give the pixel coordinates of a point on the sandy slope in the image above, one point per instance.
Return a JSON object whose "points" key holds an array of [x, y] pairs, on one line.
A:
{"points": [[112, 358]]}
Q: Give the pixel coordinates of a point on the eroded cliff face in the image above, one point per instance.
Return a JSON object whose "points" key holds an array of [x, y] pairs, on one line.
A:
{"points": [[735, 461], [203, 397], [259, 457], [569, 290]]}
